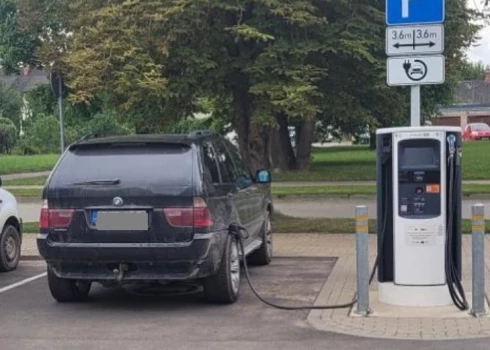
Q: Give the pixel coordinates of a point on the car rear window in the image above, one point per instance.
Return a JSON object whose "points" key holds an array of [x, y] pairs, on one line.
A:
{"points": [[480, 127], [132, 164]]}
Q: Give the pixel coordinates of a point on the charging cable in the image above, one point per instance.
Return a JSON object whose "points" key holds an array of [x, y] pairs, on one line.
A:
{"points": [[241, 233], [237, 232], [453, 278]]}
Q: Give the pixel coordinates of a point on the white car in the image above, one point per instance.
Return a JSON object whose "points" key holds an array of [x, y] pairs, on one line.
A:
{"points": [[11, 231]]}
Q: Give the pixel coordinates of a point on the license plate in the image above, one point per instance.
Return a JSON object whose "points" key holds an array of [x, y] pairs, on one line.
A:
{"points": [[120, 220]]}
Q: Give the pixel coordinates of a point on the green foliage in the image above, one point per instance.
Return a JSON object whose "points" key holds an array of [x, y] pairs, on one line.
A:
{"points": [[188, 125], [41, 101], [42, 136], [154, 61], [16, 46], [105, 124], [10, 105], [461, 30], [472, 71], [8, 135]]}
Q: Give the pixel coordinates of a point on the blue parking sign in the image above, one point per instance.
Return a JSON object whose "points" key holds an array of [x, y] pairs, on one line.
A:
{"points": [[405, 12]]}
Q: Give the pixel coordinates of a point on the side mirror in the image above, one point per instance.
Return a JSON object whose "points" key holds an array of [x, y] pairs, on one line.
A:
{"points": [[263, 177]]}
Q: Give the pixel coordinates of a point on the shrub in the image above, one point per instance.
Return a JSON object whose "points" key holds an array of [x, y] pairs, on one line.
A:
{"points": [[43, 135], [106, 124], [8, 135]]}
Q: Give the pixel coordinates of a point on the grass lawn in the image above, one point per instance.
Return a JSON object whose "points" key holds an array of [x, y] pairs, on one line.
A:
{"points": [[10, 164], [31, 227], [354, 163], [31, 181], [286, 224], [357, 163], [26, 192]]}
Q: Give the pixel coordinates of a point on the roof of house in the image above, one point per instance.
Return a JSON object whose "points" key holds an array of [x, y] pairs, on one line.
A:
{"points": [[472, 92], [24, 83], [465, 108]]}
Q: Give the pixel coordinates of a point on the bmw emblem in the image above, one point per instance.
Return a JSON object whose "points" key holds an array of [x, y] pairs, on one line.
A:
{"points": [[117, 202]]}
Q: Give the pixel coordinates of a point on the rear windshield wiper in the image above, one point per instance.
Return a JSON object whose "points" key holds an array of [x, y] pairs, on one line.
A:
{"points": [[98, 182]]}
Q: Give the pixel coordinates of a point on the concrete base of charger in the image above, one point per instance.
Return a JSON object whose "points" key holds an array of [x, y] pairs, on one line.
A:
{"points": [[416, 296]]}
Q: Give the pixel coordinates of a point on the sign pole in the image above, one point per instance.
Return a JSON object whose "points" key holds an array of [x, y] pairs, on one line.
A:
{"points": [[415, 47], [415, 115], [60, 110]]}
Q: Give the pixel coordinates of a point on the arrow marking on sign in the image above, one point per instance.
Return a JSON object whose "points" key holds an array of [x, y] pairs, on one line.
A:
{"points": [[430, 44]]}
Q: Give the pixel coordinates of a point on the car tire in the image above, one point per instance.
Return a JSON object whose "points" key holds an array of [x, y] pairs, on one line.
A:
{"points": [[66, 290], [263, 255], [10, 249], [224, 286]]}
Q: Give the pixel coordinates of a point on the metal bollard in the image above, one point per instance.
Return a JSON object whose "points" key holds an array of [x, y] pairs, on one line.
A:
{"points": [[362, 260], [478, 260]]}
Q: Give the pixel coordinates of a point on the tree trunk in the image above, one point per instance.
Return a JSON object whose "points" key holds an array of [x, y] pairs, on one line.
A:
{"points": [[306, 132], [258, 147], [243, 112], [253, 138], [275, 150], [284, 153], [372, 141]]}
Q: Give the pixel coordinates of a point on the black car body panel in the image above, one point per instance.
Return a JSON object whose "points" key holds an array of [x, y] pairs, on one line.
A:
{"points": [[167, 179]]}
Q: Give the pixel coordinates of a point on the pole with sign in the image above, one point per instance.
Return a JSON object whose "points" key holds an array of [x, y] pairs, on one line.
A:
{"points": [[59, 90], [414, 44]]}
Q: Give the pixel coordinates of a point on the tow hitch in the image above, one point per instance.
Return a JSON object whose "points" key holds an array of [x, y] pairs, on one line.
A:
{"points": [[119, 273]]}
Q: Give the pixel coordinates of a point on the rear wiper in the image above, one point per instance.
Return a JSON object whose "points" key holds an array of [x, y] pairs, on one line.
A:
{"points": [[98, 182]]}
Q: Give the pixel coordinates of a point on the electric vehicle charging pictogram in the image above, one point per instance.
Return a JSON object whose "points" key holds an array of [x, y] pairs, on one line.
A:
{"points": [[416, 70]]}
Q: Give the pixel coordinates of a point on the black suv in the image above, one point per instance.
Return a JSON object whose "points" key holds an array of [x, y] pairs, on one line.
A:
{"points": [[152, 208]]}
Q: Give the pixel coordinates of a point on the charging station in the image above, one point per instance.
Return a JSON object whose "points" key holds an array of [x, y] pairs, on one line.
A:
{"points": [[419, 216]]}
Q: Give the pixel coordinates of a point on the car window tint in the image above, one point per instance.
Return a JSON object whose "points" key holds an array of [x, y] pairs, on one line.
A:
{"points": [[242, 173], [226, 165], [211, 172]]}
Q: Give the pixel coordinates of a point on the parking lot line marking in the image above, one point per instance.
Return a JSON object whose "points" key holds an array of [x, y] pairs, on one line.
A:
{"points": [[18, 284]]}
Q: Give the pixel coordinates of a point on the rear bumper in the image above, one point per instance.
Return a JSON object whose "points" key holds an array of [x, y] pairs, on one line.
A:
{"points": [[145, 262]]}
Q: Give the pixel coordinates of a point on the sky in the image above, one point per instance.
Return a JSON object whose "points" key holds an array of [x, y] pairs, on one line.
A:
{"points": [[482, 51]]}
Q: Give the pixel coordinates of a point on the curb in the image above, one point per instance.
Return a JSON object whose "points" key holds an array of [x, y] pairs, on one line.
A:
{"points": [[31, 258]]}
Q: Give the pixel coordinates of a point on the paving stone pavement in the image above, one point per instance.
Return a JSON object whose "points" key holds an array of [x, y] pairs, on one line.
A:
{"points": [[340, 288]]}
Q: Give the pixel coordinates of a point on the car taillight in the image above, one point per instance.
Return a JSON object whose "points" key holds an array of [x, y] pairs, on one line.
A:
{"points": [[195, 216], [55, 218]]}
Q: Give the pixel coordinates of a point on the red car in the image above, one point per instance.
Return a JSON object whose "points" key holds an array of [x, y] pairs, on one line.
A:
{"points": [[476, 131]]}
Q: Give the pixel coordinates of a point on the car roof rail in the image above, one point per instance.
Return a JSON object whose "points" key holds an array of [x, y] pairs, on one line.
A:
{"points": [[91, 136], [199, 133]]}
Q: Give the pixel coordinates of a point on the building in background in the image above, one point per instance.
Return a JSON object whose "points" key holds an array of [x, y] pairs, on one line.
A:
{"points": [[472, 104], [27, 80]]}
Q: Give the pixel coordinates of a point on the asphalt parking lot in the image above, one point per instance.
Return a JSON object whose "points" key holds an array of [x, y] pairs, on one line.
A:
{"points": [[123, 319], [119, 319]]}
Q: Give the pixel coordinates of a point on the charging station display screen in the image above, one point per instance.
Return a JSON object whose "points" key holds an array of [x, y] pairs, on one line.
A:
{"points": [[418, 157]]}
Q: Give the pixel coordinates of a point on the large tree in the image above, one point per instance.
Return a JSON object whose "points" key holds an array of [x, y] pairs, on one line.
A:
{"points": [[16, 46], [266, 64], [270, 64]]}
